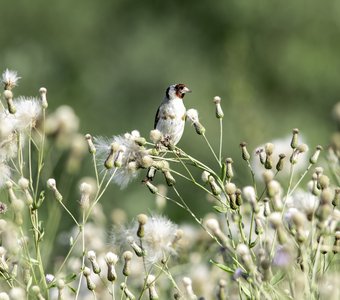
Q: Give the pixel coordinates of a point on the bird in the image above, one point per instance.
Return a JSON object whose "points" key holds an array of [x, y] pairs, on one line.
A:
{"points": [[171, 114]]}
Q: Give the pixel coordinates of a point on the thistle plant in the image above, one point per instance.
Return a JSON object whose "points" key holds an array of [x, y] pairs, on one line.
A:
{"points": [[276, 236]]}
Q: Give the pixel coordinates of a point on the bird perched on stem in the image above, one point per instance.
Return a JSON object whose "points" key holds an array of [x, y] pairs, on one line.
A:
{"points": [[170, 116]]}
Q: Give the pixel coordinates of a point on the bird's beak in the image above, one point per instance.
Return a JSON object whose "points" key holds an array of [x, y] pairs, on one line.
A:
{"points": [[186, 90]]}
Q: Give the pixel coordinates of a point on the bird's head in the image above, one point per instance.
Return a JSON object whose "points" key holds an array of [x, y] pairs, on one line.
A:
{"points": [[177, 91]]}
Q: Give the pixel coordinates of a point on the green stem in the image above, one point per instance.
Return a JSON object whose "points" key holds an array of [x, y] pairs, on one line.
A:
{"points": [[212, 151], [221, 140]]}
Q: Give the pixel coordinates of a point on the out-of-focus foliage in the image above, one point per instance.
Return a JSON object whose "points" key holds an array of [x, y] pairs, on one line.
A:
{"points": [[275, 64]]}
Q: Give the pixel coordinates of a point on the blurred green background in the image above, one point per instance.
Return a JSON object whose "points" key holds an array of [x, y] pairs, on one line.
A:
{"points": [[276, 65]]}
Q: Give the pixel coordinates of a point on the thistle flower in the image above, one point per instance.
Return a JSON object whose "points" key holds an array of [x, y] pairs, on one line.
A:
{"points": [[192, 115], [127, 160], [283, 257], [49, 278], [10, 79], [28, 112]]}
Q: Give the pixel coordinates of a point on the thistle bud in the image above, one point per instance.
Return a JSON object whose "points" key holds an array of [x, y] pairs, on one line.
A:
{"points": [[153, 189], [215, 189], [170, 180], [243, 251], [126, 291], [279, 165], [111, 259], [127, 255], [11, 194], [18, 206], [258, 226], [51, 184], [315, 156], [229, 168], [150, 281], [91, 255], [142, 219], [43, 98], [36, 291], [214, 227], [268, 148], [90, 284], [156, 136], [60, 286], [9, 99], [205, 176], [85, 193], [261, 154], [221, 293], [219, 112], [24, 185], [192, 114], [138, 250], [118, 162], [266, 211], [294, 142], [239, 199], [90, 145], [188, 288], [323, 182], [276, 221], [336, 200], [245, 153]]}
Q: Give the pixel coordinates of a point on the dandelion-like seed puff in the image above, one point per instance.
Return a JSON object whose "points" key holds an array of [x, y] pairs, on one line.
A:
{"points": [[10, 79], [127, 156]]}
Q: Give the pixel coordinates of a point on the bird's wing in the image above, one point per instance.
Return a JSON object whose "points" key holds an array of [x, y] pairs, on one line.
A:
{"points": [[156, 119]]}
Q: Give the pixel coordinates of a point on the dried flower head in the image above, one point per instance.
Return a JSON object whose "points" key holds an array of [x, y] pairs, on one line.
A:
{"points": [[10, 79], [127, 159], [28, 112]]}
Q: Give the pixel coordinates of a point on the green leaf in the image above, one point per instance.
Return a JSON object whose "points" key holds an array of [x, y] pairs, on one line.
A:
{"points": [[33, 261], [69, 278], [277, 277], [220, 209], [253, 244], [73, 290], [246, 291], [41, 199], [222, 267]]}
